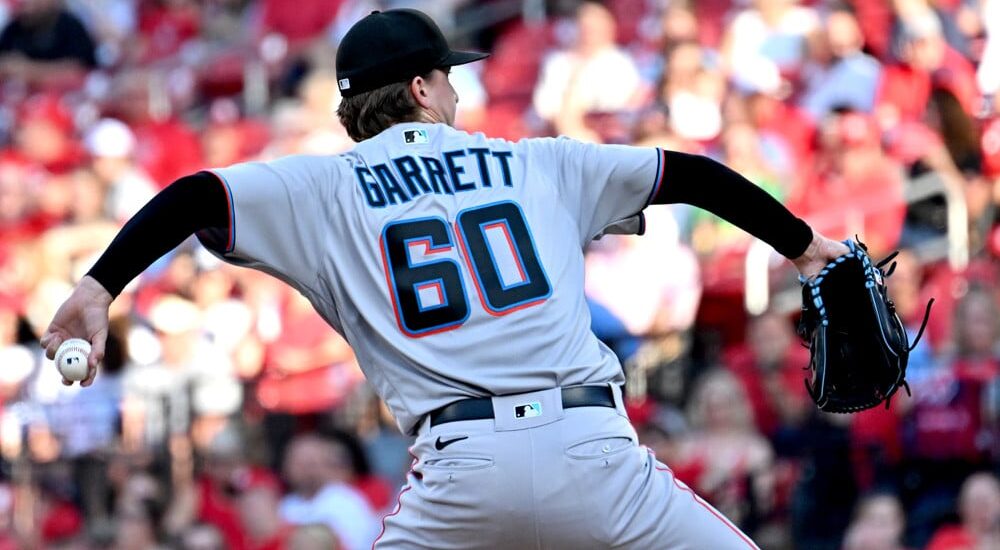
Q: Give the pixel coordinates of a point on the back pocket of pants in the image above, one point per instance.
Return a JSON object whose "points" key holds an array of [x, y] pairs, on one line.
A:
{"points": [[600, 447], [458, 463]]}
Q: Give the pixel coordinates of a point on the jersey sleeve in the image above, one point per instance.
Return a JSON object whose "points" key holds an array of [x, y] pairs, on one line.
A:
{"points": [[277, 217], [606, 187]]}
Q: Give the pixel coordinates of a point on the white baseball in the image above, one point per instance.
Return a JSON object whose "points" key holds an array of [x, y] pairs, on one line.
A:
{"points": [[71, 359]]}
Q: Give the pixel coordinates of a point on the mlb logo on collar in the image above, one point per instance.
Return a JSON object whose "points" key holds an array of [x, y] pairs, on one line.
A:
{"points": [[413, 137]]}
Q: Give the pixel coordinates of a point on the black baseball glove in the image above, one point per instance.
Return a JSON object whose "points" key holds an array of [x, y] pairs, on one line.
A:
{"points": [[857, 343]]}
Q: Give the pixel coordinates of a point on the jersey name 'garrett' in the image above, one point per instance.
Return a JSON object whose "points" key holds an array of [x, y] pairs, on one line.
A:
{"points": [[421, 175]]}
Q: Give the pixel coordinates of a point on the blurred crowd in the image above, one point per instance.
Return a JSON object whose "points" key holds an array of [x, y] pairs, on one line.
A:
{"points": [[229, 415]]}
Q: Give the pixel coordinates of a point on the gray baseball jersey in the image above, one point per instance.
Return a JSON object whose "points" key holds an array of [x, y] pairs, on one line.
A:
{"points": [[452, 263]]}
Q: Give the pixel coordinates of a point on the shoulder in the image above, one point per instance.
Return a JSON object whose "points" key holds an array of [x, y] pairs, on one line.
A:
{"points": [[297, 171], [451, 133], [292, 162], [456, 138], [547, 144]]}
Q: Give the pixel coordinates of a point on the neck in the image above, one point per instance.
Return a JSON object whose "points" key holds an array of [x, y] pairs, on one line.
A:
{"points": [[430, 117]]}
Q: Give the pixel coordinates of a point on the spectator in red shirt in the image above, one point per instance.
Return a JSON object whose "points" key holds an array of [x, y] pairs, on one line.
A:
{"points": [[946, 416], [875, 18], [945, 437], [228, 138], [309, 368], [979, 509], [729, 461], [926, 61], [217, 487], [770, 370], [216, 497], [260, 521], [977, 330], [44, 134], [351, 465], [165, 26], [856, 187], [167, 148], [306, 21], [20, 184]]}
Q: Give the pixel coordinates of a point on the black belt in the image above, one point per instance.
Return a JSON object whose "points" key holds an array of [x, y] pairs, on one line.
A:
{"points": [[481, 408]]}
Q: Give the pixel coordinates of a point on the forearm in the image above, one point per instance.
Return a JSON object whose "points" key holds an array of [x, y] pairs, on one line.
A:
{"points": [[190, 204], [712, 186]]}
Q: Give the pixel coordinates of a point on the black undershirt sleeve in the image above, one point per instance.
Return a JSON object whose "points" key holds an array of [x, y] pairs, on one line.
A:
{"points": [[188, 205], [700, 181]]}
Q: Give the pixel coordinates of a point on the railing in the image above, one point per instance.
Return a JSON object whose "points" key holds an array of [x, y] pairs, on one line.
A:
{"points": [[954, 245]]}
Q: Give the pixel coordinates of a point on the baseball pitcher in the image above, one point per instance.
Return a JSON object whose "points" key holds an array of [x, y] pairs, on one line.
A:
{"points": [[453, 264]]}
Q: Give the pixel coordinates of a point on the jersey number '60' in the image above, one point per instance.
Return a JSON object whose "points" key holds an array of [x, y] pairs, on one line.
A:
{"points": [[495, 242]]}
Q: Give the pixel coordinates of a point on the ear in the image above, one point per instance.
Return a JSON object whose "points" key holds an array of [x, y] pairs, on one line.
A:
{"points": [[418, 89]]}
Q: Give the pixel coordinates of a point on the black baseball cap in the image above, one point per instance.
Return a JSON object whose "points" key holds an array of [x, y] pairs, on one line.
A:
{"points": [[393, 46]]}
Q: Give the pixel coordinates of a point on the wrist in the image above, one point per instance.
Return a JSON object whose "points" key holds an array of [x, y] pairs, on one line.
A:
{"points": [[811, 251], [96, 290]]}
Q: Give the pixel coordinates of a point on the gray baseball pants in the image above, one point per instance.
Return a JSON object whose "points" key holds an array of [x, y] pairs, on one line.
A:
{"points": [[564, 479]]}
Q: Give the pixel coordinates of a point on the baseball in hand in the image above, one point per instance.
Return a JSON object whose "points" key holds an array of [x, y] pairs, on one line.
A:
{"points": [[71, 359]]}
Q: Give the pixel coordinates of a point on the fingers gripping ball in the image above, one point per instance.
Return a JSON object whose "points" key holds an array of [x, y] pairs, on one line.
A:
{"points": [[71, 359]]}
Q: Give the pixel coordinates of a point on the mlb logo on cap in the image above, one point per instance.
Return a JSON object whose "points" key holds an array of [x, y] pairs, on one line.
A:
{"points": [[414, 136], [344, 83]]}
